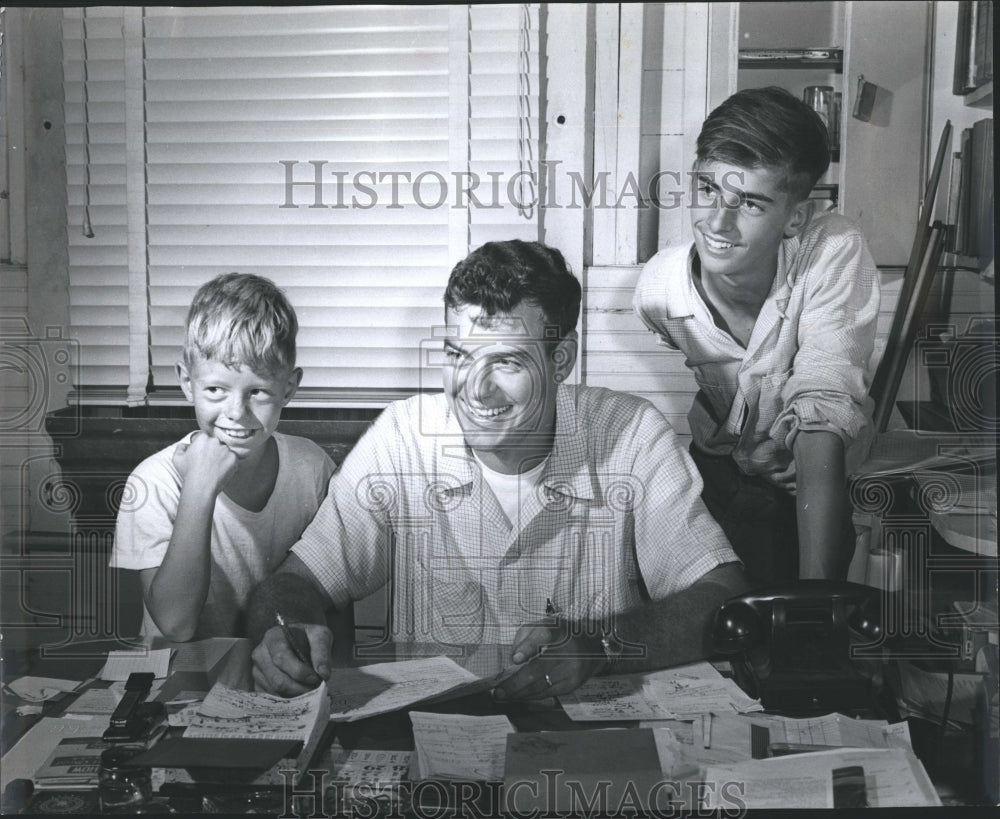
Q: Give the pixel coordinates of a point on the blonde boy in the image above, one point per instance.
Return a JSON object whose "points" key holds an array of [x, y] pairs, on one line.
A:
{"points": [[212, 515]]}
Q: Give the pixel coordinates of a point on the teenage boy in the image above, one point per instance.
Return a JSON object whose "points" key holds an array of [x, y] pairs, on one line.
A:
{"points": [[774, 308], [209, 517], [513, 510]]}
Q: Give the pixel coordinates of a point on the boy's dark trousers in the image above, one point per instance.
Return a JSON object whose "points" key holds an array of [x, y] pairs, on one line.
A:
{"points": [[758, 518]]}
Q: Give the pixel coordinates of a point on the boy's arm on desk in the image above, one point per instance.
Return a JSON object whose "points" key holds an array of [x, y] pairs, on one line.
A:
{"points": [[295, 593]]}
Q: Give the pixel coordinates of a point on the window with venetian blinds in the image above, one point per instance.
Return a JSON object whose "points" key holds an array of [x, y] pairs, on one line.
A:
{"points": [[195, 141]]}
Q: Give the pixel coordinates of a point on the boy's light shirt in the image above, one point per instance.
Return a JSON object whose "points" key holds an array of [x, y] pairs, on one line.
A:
{"points": [[808, 362], [246, 546]]}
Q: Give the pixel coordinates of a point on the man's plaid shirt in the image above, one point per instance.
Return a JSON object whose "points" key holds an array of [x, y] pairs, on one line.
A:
{"points": [[616, 520]]}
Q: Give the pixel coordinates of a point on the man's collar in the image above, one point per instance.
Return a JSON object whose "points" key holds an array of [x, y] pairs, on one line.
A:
{"points": [[568, 471]]}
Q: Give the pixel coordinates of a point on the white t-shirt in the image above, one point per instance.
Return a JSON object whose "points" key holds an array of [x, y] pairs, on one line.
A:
{"points": [[246, 546], [512, 490]]}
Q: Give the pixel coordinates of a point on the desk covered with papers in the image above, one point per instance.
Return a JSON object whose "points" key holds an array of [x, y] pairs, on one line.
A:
{"points": [[425, 736]]}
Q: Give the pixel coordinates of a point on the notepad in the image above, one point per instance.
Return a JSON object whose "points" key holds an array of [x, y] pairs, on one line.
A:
{"points": [[253, 716], [456, 746], [122, 663]]}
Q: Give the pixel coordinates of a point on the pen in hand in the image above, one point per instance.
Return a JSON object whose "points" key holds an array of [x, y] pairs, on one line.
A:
{"points": [[297, 640]]}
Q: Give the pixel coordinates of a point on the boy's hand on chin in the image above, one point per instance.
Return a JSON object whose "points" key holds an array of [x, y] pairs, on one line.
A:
{"points": [[207, 458]]}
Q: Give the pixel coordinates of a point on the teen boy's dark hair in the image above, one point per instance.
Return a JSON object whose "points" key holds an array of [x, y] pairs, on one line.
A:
{"points": [[768, 127], [501, 275]]}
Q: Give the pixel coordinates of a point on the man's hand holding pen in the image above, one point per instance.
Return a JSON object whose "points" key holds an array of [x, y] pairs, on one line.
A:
{"points": [[292, 658]]}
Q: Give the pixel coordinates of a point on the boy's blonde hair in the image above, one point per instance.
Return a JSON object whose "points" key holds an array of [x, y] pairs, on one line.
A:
{"points": [[241, 320]]}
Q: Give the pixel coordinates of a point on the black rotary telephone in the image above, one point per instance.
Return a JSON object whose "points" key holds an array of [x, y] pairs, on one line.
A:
{"points": [[792, 645]]}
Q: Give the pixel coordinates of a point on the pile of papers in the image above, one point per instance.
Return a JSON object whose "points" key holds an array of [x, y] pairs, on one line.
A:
{"points": [[356, 693], [725, 757], [227, 713], [121, 664], [360, 778], [456, 746], [669, 694]]}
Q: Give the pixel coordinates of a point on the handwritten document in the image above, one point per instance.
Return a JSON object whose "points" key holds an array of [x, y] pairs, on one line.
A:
{"points": [[369, 781], [456, 746], [96, 701], [894, 777], [122, 663], [40, 689], [356, 693], [227, 713], [683, 751], [835, 729], [230, 713], [668, 694]]}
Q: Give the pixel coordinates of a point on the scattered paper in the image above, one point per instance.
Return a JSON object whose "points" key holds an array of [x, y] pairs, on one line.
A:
{"points": [[202, 655], [365, 776], [356, 693], [228, 713], [456, 746], [39, 689], [894, 777], [122, 663], [669, 694], [835, 729], [96, 701], [683, 752]]}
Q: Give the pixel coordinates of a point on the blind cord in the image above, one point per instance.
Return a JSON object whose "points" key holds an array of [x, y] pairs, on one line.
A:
{"points": [[88, 229], [525, 159]]}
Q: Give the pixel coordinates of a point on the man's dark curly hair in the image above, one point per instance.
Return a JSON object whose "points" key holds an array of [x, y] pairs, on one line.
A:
{"points": [[499, 276]]}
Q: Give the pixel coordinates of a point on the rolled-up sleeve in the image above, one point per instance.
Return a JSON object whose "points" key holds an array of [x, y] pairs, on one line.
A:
{"points": [[346, 546], [677, 540], [828, 385]]}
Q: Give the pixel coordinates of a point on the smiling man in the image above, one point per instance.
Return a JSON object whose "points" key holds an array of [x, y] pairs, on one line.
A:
{"points": [[774, 308], [514, 510]]}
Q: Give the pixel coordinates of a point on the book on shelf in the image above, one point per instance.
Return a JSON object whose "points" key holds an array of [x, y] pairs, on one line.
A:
{"points": [[973, 46], [790, 54], [970, 195]]}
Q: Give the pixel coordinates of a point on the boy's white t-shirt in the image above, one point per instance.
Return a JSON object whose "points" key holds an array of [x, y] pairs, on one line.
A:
{"points": [[246, 546]]}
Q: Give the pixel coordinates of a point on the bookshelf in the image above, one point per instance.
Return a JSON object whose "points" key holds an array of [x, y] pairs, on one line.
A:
{"points": [[974, 50], [970, 199]]}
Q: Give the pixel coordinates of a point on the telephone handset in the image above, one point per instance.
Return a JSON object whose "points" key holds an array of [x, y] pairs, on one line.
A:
{"points": [[793, 644]]}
